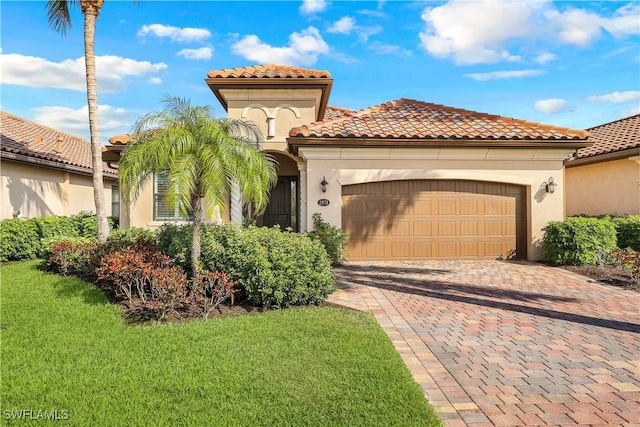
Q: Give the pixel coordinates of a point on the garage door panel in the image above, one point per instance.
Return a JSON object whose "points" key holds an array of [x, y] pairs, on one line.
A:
{"points": [[427, 219], [422, 228], [446, 207]]}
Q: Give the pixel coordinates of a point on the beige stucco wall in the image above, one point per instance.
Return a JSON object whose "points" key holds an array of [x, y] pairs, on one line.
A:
{"points": [[527, 167], [140, 214], [286, 108], [611, 187], [38, 191]]}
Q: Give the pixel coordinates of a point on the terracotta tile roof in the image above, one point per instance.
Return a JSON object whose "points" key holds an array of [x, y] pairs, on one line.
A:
{"points": [[335, 112], [410, 119], [35, 141], [271, 71], [619, 135]]}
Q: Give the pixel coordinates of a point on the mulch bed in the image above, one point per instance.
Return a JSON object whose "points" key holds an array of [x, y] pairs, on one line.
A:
{"points": [[609, 275]]}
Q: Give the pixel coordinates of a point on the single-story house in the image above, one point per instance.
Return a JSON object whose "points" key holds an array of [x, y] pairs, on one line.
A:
{"points": [[605, 177], [406, 179], [47, 172]]}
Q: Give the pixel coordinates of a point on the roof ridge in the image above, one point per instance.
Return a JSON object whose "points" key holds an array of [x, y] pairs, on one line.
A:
{"points": [[614, 121]]}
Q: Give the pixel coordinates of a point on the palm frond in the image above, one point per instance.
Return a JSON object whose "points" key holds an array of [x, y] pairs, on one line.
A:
{"points": [[58, 15]]}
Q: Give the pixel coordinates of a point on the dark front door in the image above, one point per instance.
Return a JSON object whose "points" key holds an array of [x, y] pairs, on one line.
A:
{"points": [[282, 206]]}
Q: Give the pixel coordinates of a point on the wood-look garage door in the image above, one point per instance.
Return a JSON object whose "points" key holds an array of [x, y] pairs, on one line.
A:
{"points": [[429, 219]]}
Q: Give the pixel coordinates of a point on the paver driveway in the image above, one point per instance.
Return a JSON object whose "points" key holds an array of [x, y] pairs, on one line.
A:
{"points": [[507, 343]]}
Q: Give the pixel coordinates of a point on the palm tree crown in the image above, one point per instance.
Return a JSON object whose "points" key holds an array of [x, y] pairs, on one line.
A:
{"points": [[201, 156]]}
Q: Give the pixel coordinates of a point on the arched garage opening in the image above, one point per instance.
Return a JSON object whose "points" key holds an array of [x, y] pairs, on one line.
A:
{"points": [[434, 219]]}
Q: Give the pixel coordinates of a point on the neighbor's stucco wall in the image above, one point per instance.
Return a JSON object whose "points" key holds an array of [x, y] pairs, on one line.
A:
{"points": [[611, 187], [38, 191], [527, 167]]}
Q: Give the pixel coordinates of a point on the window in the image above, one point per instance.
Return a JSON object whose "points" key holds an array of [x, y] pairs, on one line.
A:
{"points": [[115, 201], [163, 211]]}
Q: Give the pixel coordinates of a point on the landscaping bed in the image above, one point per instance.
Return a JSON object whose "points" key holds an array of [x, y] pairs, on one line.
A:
{"points": [[607, 274]]}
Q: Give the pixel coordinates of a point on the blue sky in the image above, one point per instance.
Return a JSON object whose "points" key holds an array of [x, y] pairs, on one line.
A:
{"points": [[572, 64]]}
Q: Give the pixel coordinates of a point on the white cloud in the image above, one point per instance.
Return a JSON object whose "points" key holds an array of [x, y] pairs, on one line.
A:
{"points": [[389, 49], [111, 71], [365, 32], [474, 32], [202, 53], [76, 122], [552, 106], [174, 33], [303, 49], [543, 58], [626, 21], [628, 96], [575, 26], [489, 31], [310, 7], [497, 75], [343, 25], [155, 80]]}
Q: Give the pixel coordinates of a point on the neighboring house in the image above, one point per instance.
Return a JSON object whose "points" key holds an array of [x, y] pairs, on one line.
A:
{"points": [[47, 172], [605, 177], [406, 179]]}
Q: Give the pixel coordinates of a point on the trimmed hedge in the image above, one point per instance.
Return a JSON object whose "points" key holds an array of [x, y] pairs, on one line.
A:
{"points": [[273, 268], [19, 240], [579, 240], [628, 232]]}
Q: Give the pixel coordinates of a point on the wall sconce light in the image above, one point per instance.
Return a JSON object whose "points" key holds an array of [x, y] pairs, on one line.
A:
{"points": [[550, 185], [324, 184]]}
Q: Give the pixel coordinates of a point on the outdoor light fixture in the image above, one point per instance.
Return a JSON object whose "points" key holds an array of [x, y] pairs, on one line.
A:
{"points": [[324, 184], [550, 185]]}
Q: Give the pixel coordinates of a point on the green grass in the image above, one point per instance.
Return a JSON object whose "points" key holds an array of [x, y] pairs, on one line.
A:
{"points": [[65, 348]]}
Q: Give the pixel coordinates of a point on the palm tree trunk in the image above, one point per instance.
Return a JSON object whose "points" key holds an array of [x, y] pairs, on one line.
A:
{"points": [[90, 15], [195, 240]]}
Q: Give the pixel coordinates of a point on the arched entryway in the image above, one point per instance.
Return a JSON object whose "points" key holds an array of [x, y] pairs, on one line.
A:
{"points": [[284, 206]]}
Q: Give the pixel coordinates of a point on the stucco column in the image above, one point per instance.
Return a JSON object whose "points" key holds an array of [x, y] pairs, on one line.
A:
{"points": [[302, 214], [236, 204]]}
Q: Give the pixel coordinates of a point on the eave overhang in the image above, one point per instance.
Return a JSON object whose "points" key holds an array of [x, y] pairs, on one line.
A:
{"points": [[296, 142], [605, 157]]}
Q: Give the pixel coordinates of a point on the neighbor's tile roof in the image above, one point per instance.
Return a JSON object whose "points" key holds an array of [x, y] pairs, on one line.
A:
{"points": [[33, 140], [623, 134], [335, 112], [269, 72], [406, 118]]}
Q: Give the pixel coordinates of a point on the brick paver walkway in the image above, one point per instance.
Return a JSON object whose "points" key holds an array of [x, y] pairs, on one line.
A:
{"points": [[506, 343]]}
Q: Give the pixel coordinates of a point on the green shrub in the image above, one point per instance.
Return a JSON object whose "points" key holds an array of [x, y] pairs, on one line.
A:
{"points": [[19, 240], [332, 238], [134, 236], [628, 232], [87, 224], [175, 241], [70, 256], [274, 268], [56, 226], [578, 240]]}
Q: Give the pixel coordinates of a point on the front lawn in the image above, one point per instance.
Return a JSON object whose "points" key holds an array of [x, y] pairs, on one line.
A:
{"points": [[65, 349]]}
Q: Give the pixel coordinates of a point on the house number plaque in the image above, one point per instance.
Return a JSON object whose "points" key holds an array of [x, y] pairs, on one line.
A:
{"points": [[323, 202]]}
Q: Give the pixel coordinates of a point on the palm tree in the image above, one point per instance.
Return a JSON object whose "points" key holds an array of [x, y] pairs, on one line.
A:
{"points": [[201, 157], [60, 20]]}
